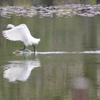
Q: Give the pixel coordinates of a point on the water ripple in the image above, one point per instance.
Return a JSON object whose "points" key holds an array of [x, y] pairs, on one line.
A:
{"points": [[65, 52], [28, 53]]}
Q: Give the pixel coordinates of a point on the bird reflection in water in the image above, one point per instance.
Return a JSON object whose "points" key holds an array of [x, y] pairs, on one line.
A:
{"points": [[19, 70]]}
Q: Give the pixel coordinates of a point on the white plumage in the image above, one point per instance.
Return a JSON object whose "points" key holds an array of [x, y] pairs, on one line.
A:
{"points": [[20, 33]]}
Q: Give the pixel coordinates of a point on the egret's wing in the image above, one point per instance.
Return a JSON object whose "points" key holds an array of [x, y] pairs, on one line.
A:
{"points": [[26, 28], [16, 34], [34, 41]]}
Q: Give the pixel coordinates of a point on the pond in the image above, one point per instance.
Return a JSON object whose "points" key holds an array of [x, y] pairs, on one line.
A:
{"points": [[69, 49]]}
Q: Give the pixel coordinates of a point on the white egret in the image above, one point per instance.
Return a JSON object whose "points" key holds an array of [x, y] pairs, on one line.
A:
{"points": [[20, 33]]}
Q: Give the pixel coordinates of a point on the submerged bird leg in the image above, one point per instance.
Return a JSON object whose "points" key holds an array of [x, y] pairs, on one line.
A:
{"points": [[22, 49], [34, 48]]}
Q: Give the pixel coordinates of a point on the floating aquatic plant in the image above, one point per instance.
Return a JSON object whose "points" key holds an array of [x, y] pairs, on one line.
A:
{"points": [[41, 11]]}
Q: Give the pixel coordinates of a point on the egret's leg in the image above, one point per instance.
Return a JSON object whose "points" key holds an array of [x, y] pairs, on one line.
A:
{"points": [[22, 49], [34, 48]]}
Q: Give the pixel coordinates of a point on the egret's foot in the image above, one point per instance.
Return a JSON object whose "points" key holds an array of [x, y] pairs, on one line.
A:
{"points": [[16, 52], [21, 50]]}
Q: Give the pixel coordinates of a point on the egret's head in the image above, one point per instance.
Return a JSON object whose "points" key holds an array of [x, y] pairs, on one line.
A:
{"points": [[9, 26]]}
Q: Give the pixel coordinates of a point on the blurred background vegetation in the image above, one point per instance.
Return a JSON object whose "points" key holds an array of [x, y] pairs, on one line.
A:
{"points": [[45, 2]]}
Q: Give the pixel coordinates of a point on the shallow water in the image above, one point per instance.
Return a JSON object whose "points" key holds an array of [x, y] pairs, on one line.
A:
{"points": [[69, 49]]}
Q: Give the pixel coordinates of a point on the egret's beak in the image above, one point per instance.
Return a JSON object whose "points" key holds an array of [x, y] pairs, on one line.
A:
{"points": [[4, 28]]}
